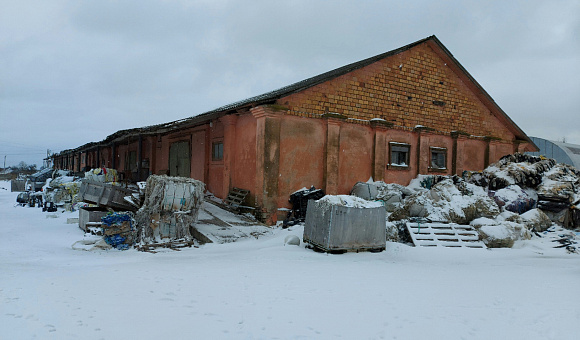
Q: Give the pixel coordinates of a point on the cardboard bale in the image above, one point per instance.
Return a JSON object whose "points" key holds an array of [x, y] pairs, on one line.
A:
{"points": [[170, 208]]}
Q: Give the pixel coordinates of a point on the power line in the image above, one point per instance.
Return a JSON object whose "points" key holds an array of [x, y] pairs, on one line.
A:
{"points": [[20, 145]]}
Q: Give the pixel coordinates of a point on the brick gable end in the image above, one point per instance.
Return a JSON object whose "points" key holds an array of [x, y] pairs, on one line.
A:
{"points": [[414, 87]]}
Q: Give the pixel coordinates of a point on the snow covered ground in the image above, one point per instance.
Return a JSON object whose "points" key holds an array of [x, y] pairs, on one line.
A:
{"points": [[261, 289]]}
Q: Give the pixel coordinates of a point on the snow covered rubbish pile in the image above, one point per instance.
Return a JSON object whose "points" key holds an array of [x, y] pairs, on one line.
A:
{"points": [[508, 201], [62, 190], [50, 188]]}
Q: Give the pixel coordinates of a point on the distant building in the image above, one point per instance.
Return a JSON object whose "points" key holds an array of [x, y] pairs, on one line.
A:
{"points": [[562, 152], [413, 110]]}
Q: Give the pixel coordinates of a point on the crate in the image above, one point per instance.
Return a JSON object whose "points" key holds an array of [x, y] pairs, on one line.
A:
{"points": [[105, 194], [89, 215], [17, 185], [341, 229]]}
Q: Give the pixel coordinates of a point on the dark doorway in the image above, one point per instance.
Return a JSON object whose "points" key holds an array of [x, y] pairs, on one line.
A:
{"points": [[179, 159]]}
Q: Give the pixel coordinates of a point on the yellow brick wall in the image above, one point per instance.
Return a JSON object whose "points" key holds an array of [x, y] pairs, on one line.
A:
{"points": [[401, 89]]}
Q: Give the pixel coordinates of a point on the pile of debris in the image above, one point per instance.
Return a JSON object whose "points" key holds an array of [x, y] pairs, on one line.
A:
{"points": [[62, 191], [510, 200], [156, 213], [159, 213], [48, 189]]}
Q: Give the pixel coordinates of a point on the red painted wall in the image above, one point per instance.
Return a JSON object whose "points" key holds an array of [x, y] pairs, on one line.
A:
{"points": [[396, 174], [439, 141], [198, 154], [355, 155], [301, 155], [469, 154], [244, 168], [497, 150], [216, 167]]}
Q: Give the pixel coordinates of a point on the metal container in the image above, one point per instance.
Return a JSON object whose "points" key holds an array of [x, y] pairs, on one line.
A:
{"points": [[17, 185], [105, 194], [90, 214], [341, 229]]}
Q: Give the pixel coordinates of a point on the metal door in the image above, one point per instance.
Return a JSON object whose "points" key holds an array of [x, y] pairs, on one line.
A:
{"points": [[179, 159]]}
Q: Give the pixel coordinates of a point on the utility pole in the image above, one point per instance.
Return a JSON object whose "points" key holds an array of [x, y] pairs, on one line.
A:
{"points": [[4, 168]]}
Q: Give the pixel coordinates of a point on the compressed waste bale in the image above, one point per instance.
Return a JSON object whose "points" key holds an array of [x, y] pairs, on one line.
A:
{"points": [[563, 173], [536, 220], [555, 196], [170, 207], [475, 177], [345, 223], [513, 198], [502, 235], [448, 202], [365, 190], [573, 221], [391, 194], [496, 236], [392, 232], [119, 230], [520, 169]]}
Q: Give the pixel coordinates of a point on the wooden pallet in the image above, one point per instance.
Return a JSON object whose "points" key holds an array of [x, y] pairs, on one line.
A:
{"points": [[444, 235], [236, 198]]}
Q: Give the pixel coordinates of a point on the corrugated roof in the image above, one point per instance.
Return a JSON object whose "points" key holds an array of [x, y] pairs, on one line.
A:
{"points": [[562, 152]]}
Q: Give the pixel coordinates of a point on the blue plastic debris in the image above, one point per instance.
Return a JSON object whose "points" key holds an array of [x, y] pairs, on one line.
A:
{"points": [[116, 218]]}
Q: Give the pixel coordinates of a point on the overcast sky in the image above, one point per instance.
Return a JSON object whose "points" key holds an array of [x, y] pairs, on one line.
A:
{"points": [[73, 72]]}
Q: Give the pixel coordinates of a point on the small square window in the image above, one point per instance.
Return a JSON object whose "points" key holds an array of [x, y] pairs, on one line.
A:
{"points": [[438, 158], [399, 154], [217, 153]]}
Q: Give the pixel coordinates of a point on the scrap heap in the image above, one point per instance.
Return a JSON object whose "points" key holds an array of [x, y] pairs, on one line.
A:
{"points": [[510, 200]]}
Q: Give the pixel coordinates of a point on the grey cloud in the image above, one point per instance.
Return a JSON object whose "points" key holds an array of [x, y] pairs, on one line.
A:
{"points": [[112, 65]]}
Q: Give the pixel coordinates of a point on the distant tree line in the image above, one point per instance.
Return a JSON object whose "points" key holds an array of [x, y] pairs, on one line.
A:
{"points": [[22, 167]]}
